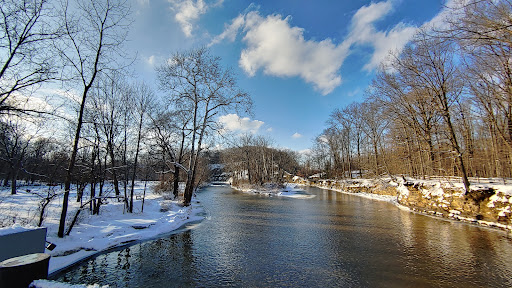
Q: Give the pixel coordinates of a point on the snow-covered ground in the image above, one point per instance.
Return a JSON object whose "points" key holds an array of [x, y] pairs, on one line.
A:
{"points": [[289, 190], [93, 233]]}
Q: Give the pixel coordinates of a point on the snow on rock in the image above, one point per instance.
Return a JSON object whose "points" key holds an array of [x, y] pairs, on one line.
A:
{"points": [[292, 191]]}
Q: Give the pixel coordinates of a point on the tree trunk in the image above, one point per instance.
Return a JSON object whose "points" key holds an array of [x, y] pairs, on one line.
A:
{"points": [[176, 168], [139, 136], [69, 174], [14, 175], [113, 166], [176, 184], [455, 143]]}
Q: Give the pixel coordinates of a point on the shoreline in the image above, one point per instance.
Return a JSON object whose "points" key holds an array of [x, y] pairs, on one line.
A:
{"points": [[454, 215], [124, 245], [113, 228], [168, 223]]}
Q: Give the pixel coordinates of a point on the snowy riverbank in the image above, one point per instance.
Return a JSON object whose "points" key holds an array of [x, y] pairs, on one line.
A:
{"points": [[289, 190], [488, 203], [93, 234]]}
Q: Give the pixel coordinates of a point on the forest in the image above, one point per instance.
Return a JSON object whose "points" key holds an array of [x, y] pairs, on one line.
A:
{"points": [[442, 106]]}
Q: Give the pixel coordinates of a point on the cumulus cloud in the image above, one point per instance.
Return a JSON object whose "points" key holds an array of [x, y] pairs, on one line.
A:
{"points": [[281, 50], [277, 48], [364, 32], [296, 135], [233, 122], [362, 28], [384, 42], [187, 13], [451, 11], [230, 31]]}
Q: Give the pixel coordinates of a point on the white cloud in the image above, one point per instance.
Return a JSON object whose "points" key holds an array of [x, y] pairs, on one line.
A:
{"points": [[296, 135], [363, 32], [143, 2], [451, 11], [269, 129], [305, 152], [281, 50], [230, 31], [233, 122], [150, 60], [362, 28], [187, 13], [384, 42]]}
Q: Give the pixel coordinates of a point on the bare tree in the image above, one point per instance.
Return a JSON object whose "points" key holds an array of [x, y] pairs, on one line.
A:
{"points": [[26, 31], [483, 33], [412, 107], [95, 31], [144, 102], [428, 66], [198, 84]]}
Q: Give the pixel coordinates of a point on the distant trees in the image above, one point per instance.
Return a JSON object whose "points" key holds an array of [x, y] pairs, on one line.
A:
{"points": [[254, 161], [440, 107], [14, 148]]}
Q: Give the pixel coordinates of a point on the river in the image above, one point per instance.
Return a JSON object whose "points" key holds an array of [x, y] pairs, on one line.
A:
{"points": [[330, 240]]}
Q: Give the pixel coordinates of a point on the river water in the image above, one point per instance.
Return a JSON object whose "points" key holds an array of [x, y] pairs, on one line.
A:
{"points": [[331, 240]]}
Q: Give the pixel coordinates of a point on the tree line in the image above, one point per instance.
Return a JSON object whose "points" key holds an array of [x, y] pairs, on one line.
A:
{"points": [[253, 160], [441, 106]]}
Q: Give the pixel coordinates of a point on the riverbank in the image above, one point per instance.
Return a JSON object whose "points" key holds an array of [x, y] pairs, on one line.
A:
{"points": [[93, 234], [271, 189], [487, 204]]}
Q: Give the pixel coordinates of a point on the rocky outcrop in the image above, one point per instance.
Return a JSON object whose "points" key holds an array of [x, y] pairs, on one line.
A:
{"points": [[484, 204]]}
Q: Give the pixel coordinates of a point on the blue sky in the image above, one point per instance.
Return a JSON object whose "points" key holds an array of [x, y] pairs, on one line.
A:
{"points": [[297, 59]]}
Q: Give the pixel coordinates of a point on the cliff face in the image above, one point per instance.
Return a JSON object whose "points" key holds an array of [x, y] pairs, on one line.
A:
{"points": [[486, 204]]}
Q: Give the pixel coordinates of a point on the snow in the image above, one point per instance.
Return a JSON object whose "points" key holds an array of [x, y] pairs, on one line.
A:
{"points": [[385, 198], [55, 284], [292, 191], [15, 228], [94, 233], [289, 190]]}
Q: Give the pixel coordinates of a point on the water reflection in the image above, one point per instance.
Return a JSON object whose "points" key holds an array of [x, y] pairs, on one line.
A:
{"points": [[332, 240]]}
